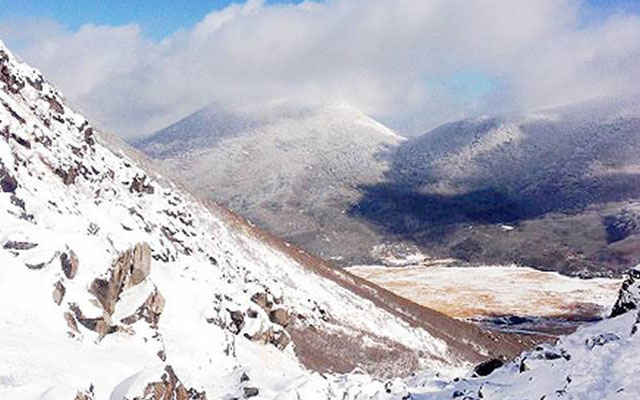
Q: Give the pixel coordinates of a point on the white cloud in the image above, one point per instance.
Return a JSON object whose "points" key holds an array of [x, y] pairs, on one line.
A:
{"points": [[392, 58]]}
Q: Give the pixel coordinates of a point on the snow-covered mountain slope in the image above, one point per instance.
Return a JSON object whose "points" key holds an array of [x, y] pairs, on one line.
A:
{"points": [[566, 178], [292, 169], [117, 283]]}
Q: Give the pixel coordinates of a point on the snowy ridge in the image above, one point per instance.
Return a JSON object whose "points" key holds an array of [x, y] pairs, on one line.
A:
{"points": [[116, 283], [566, 179], [292, 169]]}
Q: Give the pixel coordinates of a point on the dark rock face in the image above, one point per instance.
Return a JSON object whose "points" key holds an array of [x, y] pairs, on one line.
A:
{"points": [[629, 296], [487, 367]]}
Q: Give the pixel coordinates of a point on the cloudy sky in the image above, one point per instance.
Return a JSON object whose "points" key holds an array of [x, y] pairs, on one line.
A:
{"points": [[135, 66]]}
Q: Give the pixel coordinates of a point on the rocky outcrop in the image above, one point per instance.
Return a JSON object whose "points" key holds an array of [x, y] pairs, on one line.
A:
{"points": [[69, 264], [101, 325], [278, 338], [629, 296], [85, 395], [19, 245], [487, 367], [237, 321], [150, 310], [8, 183], [250, 392], [280, 316], [131, 268], [170, 388], [262, 300], [139, 185]]}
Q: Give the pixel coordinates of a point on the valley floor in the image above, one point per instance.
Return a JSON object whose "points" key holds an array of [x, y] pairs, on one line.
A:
{"points": [[491, 292]]}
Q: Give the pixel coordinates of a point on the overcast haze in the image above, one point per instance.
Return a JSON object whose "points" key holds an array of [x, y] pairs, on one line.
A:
{"points": [[410, 63]]}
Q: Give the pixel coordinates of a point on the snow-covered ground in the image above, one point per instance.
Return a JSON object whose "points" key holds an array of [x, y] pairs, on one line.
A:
{"points": [[116, 283], [472, 292]]}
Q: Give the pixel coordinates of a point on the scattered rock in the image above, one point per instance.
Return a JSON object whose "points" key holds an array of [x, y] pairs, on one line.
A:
{"points": [[58, 292], [54, 104], [93, 229], [280, 316], [487, 367], [601, 340], [85, 395], [523, 366], [69, 263], [244, 377], [629, 296], [139, 185], [71, 322], [37, 84], [68, 176], [262, 300], [22, 142], [89, 137], [12, 83], [237, 319], [170, 388], [37, 266], [280, 339], [15, 245], [101, 325], [250, 392], [150, 310]]}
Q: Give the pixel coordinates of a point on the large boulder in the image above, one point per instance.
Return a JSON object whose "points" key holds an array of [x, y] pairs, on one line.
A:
{"points": [[629, 296]]}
